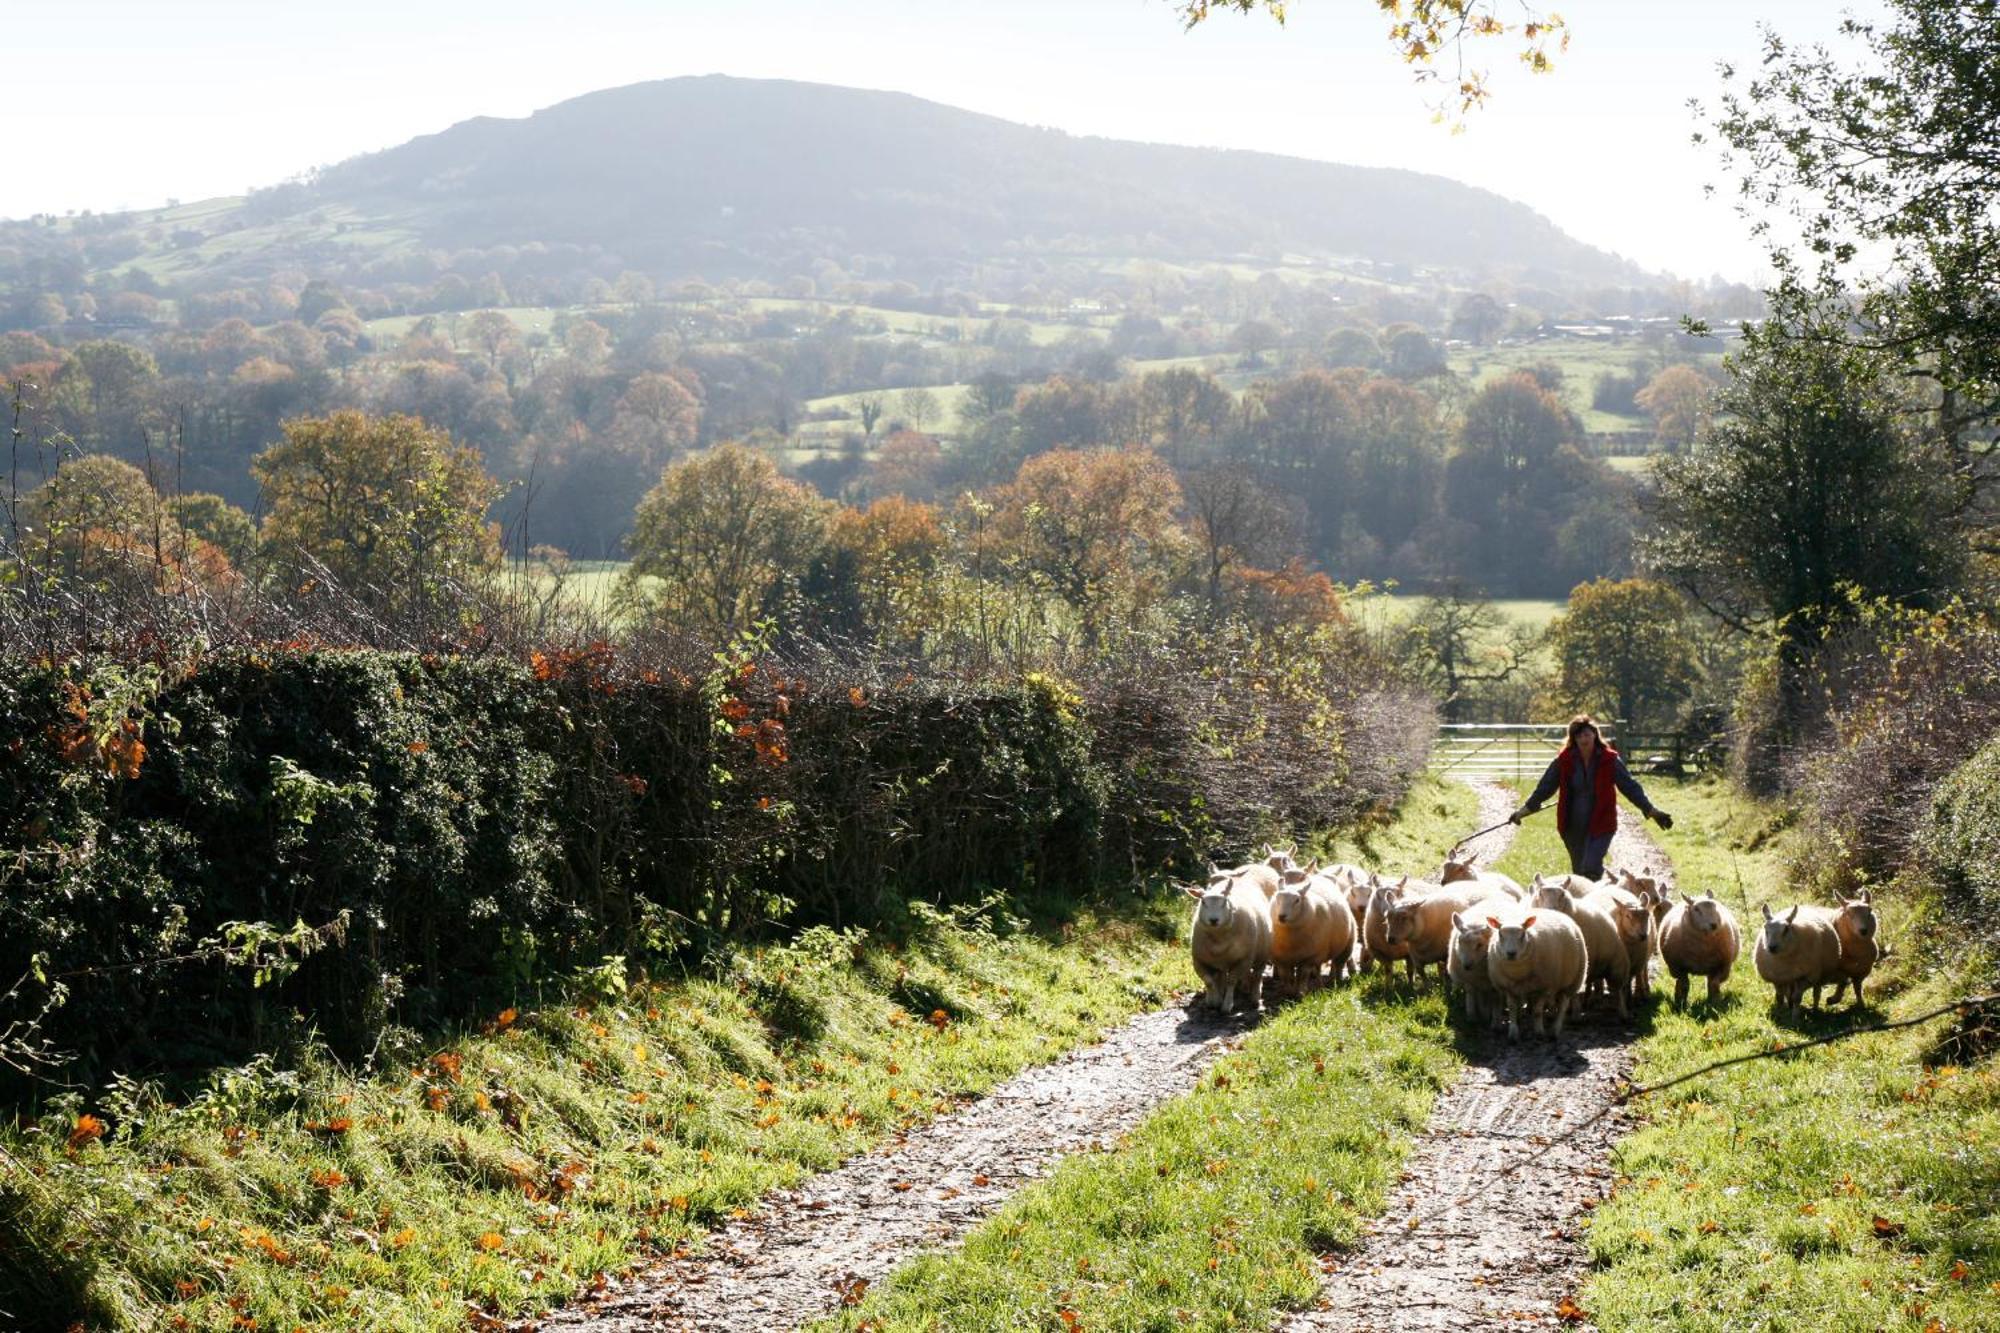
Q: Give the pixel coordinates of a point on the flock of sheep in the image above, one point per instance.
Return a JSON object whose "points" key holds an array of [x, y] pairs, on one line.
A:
{"points": [[1502, 947]]}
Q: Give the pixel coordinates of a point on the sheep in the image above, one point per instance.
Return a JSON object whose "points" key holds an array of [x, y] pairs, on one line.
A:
{"points": [[1699, 938], [1637, 928], [1608, 959], [1259, 872], [1538, 961], [1854, 922], [1471, 938], [1311, 924], [1280, 858], [1421, 924], [1463, 872], [1375, 924], [1359, 885], [1231, 940], [1795, 951]]}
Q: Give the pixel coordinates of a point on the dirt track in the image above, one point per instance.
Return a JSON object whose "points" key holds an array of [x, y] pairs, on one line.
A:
{"points": [[797, 1258], [1461, 1249]]}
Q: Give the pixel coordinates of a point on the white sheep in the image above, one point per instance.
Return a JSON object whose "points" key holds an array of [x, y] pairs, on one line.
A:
{"points": [[1359, 885], [1608, 960], [1854, 921], [1258, 872], [1699, 938], [1464, 872], [1421, 924], [1632, 912], [1795, 952], [1311, 925], [1375, 924], [1471, 938], [1231, 940], [1538, 961]]}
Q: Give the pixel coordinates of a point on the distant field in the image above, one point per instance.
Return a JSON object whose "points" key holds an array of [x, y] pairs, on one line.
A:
{"points": [[1632, 465], [1395, 607], [1582, 363]]}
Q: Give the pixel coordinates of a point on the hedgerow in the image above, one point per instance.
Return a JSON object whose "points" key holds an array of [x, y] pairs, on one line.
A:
{"points": [[245, 850]]}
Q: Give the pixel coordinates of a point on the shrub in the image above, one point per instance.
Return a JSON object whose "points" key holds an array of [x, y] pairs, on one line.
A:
{"points": [[1959, 843]]}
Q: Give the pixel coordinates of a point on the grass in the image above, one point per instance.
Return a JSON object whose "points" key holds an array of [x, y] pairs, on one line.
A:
{"points": [[1855, 1185], [1582, 363], [1212, 1213], [500, 1168]]}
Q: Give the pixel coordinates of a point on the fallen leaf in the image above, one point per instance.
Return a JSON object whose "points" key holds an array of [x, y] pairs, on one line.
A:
{"points": [[1887, 1229], [901, 1187], [1570, 1312], [981, 1181]]}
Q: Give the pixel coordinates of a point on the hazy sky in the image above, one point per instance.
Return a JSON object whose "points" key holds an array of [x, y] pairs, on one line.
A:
{"points": [[126, 103]]}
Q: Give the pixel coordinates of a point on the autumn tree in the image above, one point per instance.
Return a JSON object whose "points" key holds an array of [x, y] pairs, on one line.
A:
{"points": [[1624, 649], [1681, 401], [918, 407], [1099, 524], [99, 521], [1180, 413], [908, 464], [654, 419], [391, 508], [720, 532]]}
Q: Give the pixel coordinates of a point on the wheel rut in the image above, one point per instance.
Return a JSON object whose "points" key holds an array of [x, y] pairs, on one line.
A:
{"points": [[1485, 1229], [808, 1249]]}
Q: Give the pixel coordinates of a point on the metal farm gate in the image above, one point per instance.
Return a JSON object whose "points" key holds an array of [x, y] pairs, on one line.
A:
{"points": [[1520, 751]]}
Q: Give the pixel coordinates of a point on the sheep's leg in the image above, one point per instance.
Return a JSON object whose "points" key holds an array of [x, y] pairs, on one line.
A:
{"points": [[1562, 1012], [1715, 980], [1857, 992], [1681, 990], [1256, 990], [1513, 1017], [1619, 988]]}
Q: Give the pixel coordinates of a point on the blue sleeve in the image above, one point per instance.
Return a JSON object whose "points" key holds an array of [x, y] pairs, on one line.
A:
{"points": [[1630, 786], [1545, 788]]}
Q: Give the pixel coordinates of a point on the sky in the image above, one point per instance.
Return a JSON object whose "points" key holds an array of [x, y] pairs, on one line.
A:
{"points": [[128, 103]]}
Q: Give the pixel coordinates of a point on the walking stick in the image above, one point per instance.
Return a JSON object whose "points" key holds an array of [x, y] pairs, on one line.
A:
{"points": [[1483, 832]]}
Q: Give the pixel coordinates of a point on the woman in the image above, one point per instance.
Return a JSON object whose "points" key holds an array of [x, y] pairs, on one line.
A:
{"points": [[1585, 778]]}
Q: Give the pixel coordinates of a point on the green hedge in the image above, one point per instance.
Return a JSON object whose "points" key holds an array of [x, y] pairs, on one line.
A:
{"points": [[1959, 842], [481, 825]]}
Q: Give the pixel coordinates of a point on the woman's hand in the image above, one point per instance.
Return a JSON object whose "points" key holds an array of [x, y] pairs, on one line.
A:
{"points": [[1660, 817]]}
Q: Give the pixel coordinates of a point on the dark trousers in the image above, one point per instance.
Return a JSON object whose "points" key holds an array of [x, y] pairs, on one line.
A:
{"points": [[1586, 854]]}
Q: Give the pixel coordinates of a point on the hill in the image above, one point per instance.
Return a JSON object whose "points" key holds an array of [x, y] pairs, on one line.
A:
{"points": [[725, 177]]}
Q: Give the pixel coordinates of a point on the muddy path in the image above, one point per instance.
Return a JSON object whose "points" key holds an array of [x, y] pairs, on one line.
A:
{"points": [[806, 1248], [1464, 1246]]}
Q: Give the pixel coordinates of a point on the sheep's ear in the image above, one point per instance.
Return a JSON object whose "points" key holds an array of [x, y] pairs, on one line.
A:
{"points": [[1527, 921], [1213, 870], [1684, 898], [1402, 883], [1458, 921], [1864, 896], [1766, 908], [1191, 890], [1793, 915], [1494, 922], [1312, 866]]}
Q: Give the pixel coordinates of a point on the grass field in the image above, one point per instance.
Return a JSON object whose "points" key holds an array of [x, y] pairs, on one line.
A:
{"points": [[1582, 362]]}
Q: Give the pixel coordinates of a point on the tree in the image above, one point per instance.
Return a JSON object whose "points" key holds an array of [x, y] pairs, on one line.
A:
{"points": [[655, 418], [1680, 400], [1625, 650], [870, 407], [918, 407], [1458, 641], [493, 335], [1809, 486], [719, 532], [1235, 521], [1253, 338], [1181, 411], [1890, 171], [99, 520], [1099, 524], [1411, 355], [391, 508], [907, 464], [1478, 319], [1423, 30], [217, 522]]}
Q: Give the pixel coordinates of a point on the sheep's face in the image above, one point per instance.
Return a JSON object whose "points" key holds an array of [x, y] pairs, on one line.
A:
{"points": [[1288, 904], [1778, 930], [1860, 917], [1469, 941], [1216, 907], [1357, 899], [1510, 939], [1550, 894], [1634, 923], [1704, 914], [1402, 922], [1458, 871]]}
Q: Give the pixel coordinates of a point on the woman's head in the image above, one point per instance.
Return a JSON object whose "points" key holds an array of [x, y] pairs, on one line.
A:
{"points": [[1583, 734]]}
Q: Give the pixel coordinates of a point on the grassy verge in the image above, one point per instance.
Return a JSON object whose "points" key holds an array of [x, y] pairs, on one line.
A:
{"points": [[501, 1169], [1211, 1213], [1855, 1185]]}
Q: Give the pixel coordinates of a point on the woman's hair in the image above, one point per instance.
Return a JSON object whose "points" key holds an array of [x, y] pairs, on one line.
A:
{"points": [[1583, 722]]}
